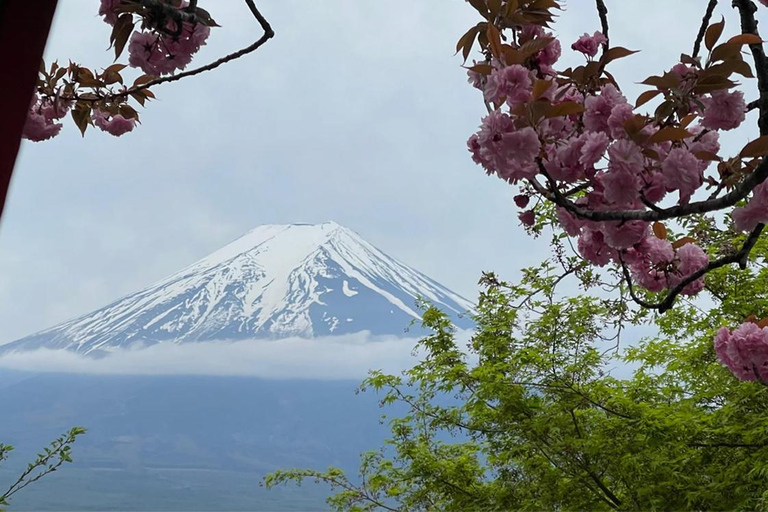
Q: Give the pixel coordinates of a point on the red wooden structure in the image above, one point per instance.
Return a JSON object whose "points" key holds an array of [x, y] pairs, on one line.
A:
{"points": [[24, 27]]}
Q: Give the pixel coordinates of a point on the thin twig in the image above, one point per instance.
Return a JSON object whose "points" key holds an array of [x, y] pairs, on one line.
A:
{"points": [[703, 29]]}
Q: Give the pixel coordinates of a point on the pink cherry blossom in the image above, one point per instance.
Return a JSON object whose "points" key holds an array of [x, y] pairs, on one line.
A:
{"points": [[650, 266], [488, 146], [522, 200], [115, 125], [755, 212], [107, 9], [595, 144], [503, 150], [158, 55], [691, 258], [37, 128], [724, 110], [593, 248], [477, 80], [40, 124], [520, 148], [598, 108], [565, 165], [510, 82], [744, 351], [551, 53], [619, 115], [570, 224], [620, 187], [588, 45], [623, 235], [625, 155], [473, 144], [527, 218], [682, 172], [654, 188]]}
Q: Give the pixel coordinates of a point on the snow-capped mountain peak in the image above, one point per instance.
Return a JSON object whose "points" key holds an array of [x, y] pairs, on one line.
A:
{"points": [[275, 281]]}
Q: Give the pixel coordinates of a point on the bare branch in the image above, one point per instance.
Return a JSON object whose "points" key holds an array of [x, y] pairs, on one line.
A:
{"points": [[703, 29]]}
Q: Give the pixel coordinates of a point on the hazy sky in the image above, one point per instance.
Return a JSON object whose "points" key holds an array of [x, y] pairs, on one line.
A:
{"points": [[357, 112]]}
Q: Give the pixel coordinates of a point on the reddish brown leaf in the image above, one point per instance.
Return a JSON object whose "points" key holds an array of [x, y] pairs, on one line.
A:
{"points": [[617, 52], [494, 40], [646, 97], [82, 118], [683, 241], [540, 87], [564, 109], [745, 39], [669, 133], [713, 33], [688, 119], [755, 149], [483, 69], [707, 155]]}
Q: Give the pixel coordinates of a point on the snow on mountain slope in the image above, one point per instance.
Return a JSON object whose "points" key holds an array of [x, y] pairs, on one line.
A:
{"points": [[275, 281]]}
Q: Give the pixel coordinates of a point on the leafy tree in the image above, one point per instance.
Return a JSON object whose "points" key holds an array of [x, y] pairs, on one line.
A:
{"points": [[52, 458], [539, 422]]}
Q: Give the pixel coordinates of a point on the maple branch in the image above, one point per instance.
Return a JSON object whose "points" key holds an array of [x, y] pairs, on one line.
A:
{"points": [[703, 29]]}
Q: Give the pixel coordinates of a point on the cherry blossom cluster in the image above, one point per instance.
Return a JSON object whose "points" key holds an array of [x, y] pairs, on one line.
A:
{"points": [[164, 44], [570, 137], [159, 50], [744, 351], [554, 132]]}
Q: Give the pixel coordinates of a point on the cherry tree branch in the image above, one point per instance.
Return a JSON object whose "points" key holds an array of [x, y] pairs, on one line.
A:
{"points": [[703, 29], [602, 11], [747, 10], [738, 193], [741, 257], [268, 34]]}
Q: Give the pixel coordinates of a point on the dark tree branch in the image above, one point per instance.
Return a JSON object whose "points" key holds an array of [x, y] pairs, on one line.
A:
{"points": [[738, 193], [602, 11], [740, 257], [747, 10], [703, 29]]}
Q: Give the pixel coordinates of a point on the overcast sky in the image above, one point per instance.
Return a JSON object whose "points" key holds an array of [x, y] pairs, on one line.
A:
{"points": [[356, 112]]}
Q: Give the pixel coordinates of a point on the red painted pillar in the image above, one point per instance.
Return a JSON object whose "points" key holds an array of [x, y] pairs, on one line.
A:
{"points": [[24, 27]]}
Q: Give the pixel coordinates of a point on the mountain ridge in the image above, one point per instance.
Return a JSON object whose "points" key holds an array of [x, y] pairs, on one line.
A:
{"points": [[275, 281]]}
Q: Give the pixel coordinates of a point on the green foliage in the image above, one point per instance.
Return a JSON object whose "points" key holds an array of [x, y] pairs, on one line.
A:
{"points": [[535, 420], [50, 460]]}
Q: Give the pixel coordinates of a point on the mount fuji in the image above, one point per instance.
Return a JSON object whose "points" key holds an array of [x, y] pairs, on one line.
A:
{"points": [[276, 281]]}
